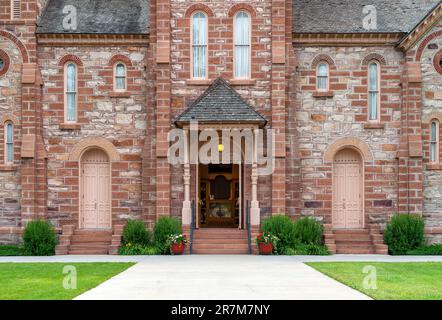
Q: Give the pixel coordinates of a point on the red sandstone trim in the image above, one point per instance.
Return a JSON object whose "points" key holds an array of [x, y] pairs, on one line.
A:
{"points": [[70, 126], [424, 44], [323, 94], [241, 6], [199, 7], [321, 58], [374, 125], [18, 43], [120, 58], [70, 57], [374, 56]]}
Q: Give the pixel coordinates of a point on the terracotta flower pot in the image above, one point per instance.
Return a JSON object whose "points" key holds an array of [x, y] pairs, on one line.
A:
{"points": [[177, 249], [266, 249]]}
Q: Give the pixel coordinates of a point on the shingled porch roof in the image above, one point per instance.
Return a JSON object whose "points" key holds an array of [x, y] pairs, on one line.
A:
{"points": [[219, 104]]}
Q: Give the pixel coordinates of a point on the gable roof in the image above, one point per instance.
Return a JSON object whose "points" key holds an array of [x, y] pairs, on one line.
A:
{"points": [[97, 17], [220, 103], [346, 16]]}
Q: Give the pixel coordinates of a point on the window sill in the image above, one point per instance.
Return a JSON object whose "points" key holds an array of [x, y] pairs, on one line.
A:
{"points": [[434, 166], [374, 125], [8, 168], [70, 126], [323, 94], [202, 82], [120, 95], [242, 82]]}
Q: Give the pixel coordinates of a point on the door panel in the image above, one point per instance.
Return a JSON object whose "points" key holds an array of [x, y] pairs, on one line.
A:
{"points": [[95, 191], [347, 190]]}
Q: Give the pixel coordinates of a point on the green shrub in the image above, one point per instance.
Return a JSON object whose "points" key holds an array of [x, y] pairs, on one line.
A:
{"points": [[39, 239], [283, 228], [163, 229], [404, 233], [307, 250], [434, 250], [135, 233], [137, 250], [10, 250], [308, 231]]}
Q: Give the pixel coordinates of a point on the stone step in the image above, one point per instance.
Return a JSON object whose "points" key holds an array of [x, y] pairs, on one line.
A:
{"points": [[93, 232], [216, 240], [91, 244], [349, 236], [355, 251], [88, 247], [91, 238], [89, 252], [197, 246], [353, 242], [221, 251], [351, 231]]}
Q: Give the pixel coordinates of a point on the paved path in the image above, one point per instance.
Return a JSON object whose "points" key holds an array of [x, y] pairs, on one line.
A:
{"points": [[221, 278], [334, 258]]}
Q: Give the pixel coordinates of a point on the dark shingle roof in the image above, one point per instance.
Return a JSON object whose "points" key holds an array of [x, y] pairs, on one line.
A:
{"points": [[98, 17], [346, 16], [220, 103]]}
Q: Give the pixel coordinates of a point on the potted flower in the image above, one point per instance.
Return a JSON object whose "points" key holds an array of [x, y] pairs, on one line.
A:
{"points": [[266, 242], [177, 244]]}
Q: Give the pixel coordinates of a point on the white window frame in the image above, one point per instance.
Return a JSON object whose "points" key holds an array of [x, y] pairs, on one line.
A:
{"points": [[378, 92], [15, 11], [249, 45], [66, 120], [7, 160], [205, 45], [116, 77], [327, 77], [434, 141]]}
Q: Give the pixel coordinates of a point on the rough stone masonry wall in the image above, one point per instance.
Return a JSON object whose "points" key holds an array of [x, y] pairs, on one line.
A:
{"points": [[432, 107], [121, 120], [323, 121], [220, 55], [10, 109]]}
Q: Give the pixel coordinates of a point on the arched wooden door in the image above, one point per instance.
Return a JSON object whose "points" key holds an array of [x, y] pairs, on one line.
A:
{"points": [[348, 184], [95, 190]]}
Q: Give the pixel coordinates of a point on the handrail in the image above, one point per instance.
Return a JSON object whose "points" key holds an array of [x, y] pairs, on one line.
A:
{"points": [[192, 227], [249, 239]]}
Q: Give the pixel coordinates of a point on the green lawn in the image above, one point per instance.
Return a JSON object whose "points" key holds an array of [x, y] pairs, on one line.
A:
{"points": [[44, 281], [395, 281]]}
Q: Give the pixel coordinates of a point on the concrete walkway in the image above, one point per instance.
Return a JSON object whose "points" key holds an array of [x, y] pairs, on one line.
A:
{"points": [[221, 278], [136, 259]]}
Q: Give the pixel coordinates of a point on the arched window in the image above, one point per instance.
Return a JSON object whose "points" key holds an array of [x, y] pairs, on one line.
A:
{"points": [[434, 141], [373, 91], [9, 142], [322, 75], [120, 77], [199, 45], [242, 45], [71, 92]]}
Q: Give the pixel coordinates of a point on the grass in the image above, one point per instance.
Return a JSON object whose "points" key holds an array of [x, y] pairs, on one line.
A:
{"points": [[395, 281], [44, 281], [10, 250]]}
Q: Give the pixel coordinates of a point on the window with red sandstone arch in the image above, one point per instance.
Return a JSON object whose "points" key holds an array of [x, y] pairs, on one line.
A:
{"points": [[434, 141], [199, 45], [4, 62], [322, 76], [242, 44], [120, 77], [9, 142], [70, 100], [438, 62]]}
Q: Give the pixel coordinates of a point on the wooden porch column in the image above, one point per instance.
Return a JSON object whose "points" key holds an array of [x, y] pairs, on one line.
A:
{"points": [[255, 212], [187, 208]]}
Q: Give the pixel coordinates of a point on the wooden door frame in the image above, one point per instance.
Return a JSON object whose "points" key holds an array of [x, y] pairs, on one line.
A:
{"points": [[80, 189], [362, 191]]}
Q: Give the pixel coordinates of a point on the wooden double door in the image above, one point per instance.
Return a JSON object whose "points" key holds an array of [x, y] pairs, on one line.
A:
{"points": [[348, 185], [219, 196], [95, 190]]}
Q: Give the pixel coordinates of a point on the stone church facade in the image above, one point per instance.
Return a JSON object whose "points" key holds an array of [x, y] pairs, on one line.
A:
{"points": [[89, 92]]}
